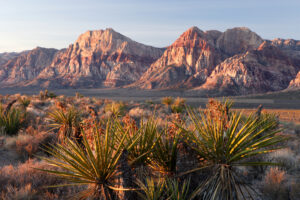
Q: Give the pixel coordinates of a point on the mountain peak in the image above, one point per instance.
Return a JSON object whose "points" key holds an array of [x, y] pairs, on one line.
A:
{"points": [[194, 31], [95, 36], [238, 40]]}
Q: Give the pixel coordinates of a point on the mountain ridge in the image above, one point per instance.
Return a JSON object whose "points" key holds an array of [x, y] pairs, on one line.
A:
{"points": [[236, 61]]}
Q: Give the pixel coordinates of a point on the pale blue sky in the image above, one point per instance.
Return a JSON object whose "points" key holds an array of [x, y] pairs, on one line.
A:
{"points": [[25, 24]]}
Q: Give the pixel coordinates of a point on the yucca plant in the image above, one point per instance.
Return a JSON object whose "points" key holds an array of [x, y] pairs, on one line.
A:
{"points": [[116, 108], [178, 106], [11, 120], [180, 191], [93, 164], [152, 189], [142, 140], [165, 189], [223, 143], [24, 102], [165, 153], [67, 122]]}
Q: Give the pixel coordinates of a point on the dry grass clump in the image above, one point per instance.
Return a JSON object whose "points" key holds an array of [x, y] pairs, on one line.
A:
{"points": [[25, 182], [273, 186], [138, 112], [178, 106], [285, 157], [115, 108], [27, 145], [167, 101]]}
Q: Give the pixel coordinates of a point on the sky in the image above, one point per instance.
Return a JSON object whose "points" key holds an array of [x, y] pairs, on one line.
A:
{"points": [[27, 24]]}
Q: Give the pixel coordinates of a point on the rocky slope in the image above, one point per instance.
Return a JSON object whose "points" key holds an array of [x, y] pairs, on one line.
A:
{"points": [[238, 40], [101, 58], [237, 61], [4, 57], [264, 69], [192, 57], [295, 83], [25, 66]]}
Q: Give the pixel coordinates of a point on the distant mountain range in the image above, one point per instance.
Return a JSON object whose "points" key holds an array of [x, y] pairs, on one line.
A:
{"points": [[234, 62]]}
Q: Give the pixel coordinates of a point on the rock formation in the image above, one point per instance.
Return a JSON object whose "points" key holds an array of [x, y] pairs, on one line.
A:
{"points": [[186, 63], [234, 62], [295, 83], [101, 58], [264, 69], [25, 66]]}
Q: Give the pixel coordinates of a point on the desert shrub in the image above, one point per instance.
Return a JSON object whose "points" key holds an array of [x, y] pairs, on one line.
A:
{"points": [[152, 189], [178, 106], [52, 95], [138, 112], [160, 189], [177, 190], [224, 141], [24, 102], [26, 145], [285, 157], [116, 108], [25, 182], [78, 95], [167, 101], [140, 141], [46, 94], [273, 187], [15, 193], [12, 120], [66, 121], [165, 154], [94, 165]]}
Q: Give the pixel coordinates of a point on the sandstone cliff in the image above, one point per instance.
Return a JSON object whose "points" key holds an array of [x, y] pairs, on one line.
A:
{"points": [[101, 58], [264, 69], [25, 66], [186, 63]]}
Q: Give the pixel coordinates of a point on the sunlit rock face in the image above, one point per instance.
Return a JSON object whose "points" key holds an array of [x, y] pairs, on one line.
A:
{"points": [[4, 57], [186, 63], [238, 40], [234, 62], [101, 58], [265, 69], [295, 83], [25, 66]]}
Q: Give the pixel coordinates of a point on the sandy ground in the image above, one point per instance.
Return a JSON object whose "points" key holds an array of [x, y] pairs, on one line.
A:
{"points": [[286, 100]]}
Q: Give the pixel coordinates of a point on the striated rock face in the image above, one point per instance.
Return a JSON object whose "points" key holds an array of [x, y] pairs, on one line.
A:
{"points": [[238, 40], [186, 63], [25, 66], [97, 59], [4, 57], [256, 71], [234, 62], [295, 83]]}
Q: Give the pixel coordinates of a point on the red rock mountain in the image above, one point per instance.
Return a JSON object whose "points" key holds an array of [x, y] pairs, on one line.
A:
{"points": [[101, 58], [25, 66], [295, 83], [193, 56], [4, 57], [257, 71], [234, 62]]}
